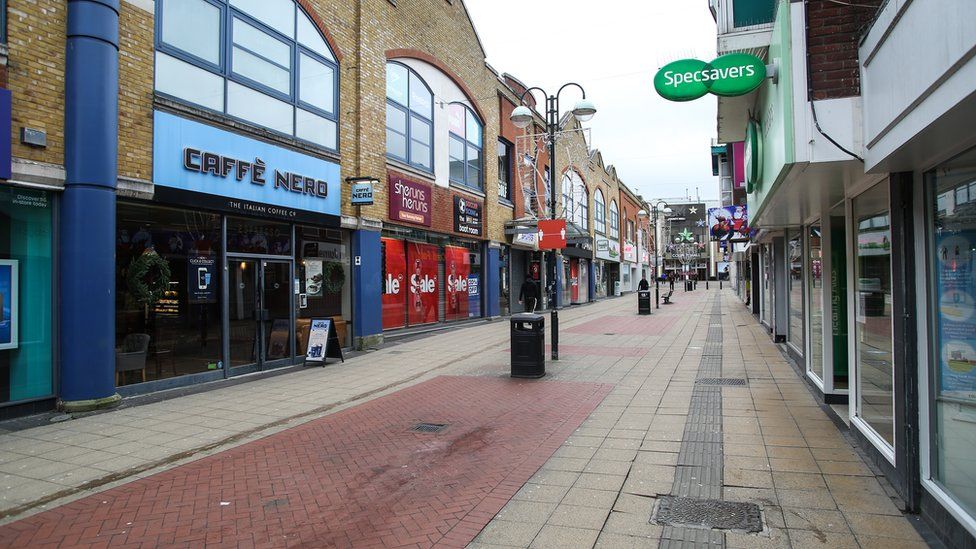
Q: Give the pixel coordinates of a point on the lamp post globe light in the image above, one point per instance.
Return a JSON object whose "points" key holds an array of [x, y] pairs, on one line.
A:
{"points": [[521, 117]]}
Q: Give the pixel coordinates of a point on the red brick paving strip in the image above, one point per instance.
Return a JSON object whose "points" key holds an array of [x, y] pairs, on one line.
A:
{"points": [[656, 324], [358, 477]]}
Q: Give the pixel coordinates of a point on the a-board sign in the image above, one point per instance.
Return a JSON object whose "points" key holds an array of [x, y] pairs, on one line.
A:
{"points": [[323, 342]]}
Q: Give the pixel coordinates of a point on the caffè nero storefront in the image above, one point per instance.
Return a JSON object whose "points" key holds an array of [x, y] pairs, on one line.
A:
{"points": [[222, 272]]}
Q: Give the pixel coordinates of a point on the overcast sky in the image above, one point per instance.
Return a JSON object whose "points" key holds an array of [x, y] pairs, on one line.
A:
{"points": [[613, 48]]}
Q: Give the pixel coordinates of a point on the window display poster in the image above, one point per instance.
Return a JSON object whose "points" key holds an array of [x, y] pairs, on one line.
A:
{"points": [[394, 299], [202, 279], [313, 277], [422, 272], [8, 304], [956, 318], [457, 268], [474, 296]]}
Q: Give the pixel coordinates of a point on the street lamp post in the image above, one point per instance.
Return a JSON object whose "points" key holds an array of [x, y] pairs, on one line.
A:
{"points": [[522, 117], [657, 239]]}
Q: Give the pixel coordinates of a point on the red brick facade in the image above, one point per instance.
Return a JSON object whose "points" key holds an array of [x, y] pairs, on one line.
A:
{"points": [[442, 207], [833, 32]]}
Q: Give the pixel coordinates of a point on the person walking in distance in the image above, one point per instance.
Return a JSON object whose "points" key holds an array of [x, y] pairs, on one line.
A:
{"points": [[529, 294], [643, 284]]}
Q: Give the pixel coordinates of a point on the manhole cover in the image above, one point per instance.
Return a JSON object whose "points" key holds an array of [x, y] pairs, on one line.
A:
{"points": [[609, 333], [428, 427], [735, 381], [709, 514]]}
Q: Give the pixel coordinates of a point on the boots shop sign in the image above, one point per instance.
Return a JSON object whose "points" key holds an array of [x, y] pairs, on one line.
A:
{"points": [[410, 201], [210, 167]]}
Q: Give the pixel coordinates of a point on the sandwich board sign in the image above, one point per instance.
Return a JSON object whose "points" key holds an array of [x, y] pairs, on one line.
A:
{"points": [[323, 342]]}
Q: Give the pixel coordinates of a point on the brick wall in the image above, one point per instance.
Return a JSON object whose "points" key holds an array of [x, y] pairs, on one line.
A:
{"points": [[833, 32], [135, 92], [36, 31]]}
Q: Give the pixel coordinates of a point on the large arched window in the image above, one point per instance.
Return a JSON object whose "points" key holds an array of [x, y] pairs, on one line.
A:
{"points": [[262, 61], [582, 217], [599, 212], [465, 146], [569, 206], [409, 117], [576, 207], [614, 220]]}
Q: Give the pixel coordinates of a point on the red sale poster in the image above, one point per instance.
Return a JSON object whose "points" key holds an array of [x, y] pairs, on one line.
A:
{"points": [[422, 274], [457, 267], [574, 280], [394, 297]]}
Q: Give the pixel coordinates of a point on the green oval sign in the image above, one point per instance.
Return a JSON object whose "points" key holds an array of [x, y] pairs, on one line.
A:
{"points": [[753, 157], [726, 76], [735, 74], [677, 80]]}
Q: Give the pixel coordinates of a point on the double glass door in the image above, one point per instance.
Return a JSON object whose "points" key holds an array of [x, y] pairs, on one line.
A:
{"points": [[261, 326]]}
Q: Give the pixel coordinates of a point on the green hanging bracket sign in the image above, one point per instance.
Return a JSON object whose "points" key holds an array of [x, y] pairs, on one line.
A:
{"points": [[728, 75]]}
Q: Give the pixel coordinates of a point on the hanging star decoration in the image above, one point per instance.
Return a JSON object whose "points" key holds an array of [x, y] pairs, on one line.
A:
{"points": [[693, 209], [700, 222], [686, 235]]}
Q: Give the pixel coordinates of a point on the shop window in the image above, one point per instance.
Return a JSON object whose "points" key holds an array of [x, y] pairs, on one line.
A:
{"points": [[630, 229], [168, 291], [816, 293], [322, 262], [263, 61], [795, 280], [409, 117], [26, 367], [599, 212], [872, 305], [465, 147], [462, 276], [504, 170], [952, 352], [250, 236], [614, 220]]}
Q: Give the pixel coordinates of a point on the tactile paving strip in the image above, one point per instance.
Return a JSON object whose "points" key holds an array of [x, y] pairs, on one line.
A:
{"points": [[727, 381]]}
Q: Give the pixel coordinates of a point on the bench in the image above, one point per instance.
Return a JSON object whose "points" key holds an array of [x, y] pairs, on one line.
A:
{"points": [[667, 297]]}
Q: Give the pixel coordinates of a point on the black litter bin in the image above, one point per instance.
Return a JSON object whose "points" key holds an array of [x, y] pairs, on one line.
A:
{"points": [[528, 345], [644, 302]]}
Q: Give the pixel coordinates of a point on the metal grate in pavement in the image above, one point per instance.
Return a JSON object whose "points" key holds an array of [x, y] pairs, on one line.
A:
{"points": [[727, 381], [709, 514], [428, 427]]}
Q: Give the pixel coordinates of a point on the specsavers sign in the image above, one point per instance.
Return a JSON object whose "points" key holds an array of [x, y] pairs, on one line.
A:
{"points": [[726, 76]]}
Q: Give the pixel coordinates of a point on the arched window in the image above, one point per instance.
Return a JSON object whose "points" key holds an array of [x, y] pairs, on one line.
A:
{"points": [[569, 207], [465, 146], [262, 61], [599, 212], [576, 207], [583, 208], [614, 220], [409, 117]]}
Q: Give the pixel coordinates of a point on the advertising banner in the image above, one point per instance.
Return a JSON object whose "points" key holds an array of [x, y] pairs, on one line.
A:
{"points": [[728, 223], [467, 216], [630, 253], [313, 277], [956, 318], [394, 299], [8, 304], [422, 271], [574, 280], [474, 296], [607, 249], [739, 165], [457, 267], [201, 280], [410, 201]]}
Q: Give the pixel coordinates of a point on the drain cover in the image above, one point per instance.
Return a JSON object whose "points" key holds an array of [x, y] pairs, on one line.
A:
{"points": [[709, 513], [721, 381], [428, 427]]}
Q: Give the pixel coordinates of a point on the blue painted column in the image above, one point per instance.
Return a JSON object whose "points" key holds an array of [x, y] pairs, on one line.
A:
{"points": [[87, 232], [559, 279], [492, 283], [367, 288], [591, 296]]}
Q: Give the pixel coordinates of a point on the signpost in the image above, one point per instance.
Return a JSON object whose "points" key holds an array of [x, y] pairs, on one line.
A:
{"points": [[728, 75], [552, 234], [323, 342]]}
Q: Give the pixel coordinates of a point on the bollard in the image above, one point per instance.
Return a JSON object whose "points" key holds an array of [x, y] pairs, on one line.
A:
{"points": [[555, 334]]}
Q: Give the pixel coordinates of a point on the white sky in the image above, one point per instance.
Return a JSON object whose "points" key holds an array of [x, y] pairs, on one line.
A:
{"points": [[613, 48]]}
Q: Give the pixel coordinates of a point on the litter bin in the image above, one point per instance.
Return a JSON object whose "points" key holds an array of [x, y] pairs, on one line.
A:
{"points": [[528, 345], [644, 302]]}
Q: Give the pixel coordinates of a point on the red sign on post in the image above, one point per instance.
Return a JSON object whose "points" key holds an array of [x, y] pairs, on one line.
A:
{"points": [[552, 234]]}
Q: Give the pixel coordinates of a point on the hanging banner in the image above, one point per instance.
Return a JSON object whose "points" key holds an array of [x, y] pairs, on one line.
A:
{"points": [[422, 271], [956, 319], [467, 216], [394, 298], [457, 267], [729, 223]]}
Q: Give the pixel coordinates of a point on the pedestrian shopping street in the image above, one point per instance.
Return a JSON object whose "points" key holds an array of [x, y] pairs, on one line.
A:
{"points": [[642, 419]]}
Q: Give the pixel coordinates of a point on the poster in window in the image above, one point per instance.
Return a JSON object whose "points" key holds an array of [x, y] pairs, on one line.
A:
{"points": [[474, 296], [394, 298], [313, 277], [956, 319], [8, 303], [457, 267], [422, 262], [201, 279]]}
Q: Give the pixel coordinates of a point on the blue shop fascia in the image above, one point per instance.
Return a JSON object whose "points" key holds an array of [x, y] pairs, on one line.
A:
{"points": [[222, 271]]}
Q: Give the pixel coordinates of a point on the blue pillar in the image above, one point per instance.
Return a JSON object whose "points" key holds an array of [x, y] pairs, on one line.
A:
{"points": [[491, 284], [87, 254], [592, 279], [367, 288], [559, 279]]}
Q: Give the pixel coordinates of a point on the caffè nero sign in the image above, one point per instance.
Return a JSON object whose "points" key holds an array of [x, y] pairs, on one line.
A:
{"points": [[725, 76]]}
